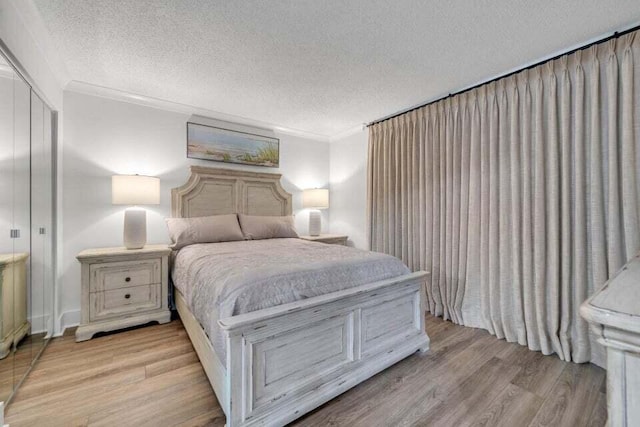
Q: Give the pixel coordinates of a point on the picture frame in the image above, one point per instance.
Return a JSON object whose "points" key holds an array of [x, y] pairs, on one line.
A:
{"points": [[206, 142]]}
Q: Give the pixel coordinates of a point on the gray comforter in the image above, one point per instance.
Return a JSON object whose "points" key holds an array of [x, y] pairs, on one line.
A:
{"points": [[220, 280]]}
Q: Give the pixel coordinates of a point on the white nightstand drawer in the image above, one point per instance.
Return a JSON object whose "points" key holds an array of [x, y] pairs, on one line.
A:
{"points": [[125, 274], [114, 303]]}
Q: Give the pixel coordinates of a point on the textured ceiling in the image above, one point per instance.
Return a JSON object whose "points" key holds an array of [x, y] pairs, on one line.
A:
{"points": [[319, 66]]}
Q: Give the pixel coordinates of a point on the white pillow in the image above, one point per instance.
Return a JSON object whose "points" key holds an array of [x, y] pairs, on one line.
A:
{"points": [[256, 227], [204, 229]]}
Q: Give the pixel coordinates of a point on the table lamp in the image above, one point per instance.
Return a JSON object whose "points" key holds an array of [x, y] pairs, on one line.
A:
{"points": [[135, 190], [317, 198]]}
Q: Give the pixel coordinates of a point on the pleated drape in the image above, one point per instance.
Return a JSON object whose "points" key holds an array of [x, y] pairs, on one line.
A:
{"points": [[520, 197]]}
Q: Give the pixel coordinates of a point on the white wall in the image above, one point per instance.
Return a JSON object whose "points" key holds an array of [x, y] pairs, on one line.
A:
{"points": [[104, 137], [348, 176]]}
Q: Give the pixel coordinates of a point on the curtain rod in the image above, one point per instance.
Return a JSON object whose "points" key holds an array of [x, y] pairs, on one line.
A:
{"points": [[615, 35]]}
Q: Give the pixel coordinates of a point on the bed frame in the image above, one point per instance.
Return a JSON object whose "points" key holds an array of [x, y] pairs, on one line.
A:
{"points": [[285, 361]]}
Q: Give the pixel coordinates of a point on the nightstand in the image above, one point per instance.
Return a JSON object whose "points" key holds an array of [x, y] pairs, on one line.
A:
{"points": [[123, 288], [333, 239]]}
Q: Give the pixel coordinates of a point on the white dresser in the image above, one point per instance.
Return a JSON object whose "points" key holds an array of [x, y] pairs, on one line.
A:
{"points": [[614, 315], [13, 284], [123, 288]]}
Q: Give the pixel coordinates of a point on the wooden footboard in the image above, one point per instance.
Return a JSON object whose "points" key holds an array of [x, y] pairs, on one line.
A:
{"points": [[285, 361]]}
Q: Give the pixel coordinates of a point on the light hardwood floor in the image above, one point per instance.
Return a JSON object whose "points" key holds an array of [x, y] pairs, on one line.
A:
{"points": [[151, 376]]}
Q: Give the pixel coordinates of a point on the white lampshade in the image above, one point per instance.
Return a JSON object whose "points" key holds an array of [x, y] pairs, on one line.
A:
{"points": [[135, 190], [316, 198]]}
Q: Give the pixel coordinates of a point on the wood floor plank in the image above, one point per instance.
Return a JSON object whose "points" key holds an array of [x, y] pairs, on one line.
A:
{"points": [[152, 376], [175, 403], [515, 406], [166, 365], [119, 399], [163, 387], [50, 405], [468, 399], [598, 416], [539, 373], [70, 379], [213, 418], [110, 345], [572, 398]]}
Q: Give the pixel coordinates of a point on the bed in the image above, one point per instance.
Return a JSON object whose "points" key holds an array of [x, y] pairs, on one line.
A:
{"points": [[270, 364]]}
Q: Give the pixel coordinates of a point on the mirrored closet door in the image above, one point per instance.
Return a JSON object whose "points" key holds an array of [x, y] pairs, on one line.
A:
{"points": [[26, 225], [41, 224]]}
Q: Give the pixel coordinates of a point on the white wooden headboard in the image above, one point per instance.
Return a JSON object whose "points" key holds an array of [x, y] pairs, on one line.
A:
{"points": [[218, 191]]}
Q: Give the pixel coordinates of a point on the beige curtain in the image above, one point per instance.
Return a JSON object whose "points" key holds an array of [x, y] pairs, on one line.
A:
{"points": [[521, 197]]}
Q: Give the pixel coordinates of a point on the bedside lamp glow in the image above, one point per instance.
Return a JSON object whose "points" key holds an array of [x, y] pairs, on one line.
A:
{"points": [[317, 198], [135, 190]]}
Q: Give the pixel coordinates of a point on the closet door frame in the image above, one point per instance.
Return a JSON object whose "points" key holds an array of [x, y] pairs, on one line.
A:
{"points": [[24, 75]]}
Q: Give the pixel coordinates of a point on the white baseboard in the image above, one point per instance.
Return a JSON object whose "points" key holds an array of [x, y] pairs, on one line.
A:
{"points": [[39, 324], [66, 320]]}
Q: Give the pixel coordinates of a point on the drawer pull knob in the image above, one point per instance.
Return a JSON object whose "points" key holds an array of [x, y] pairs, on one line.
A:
{"points": [[127, 296], [127, 279]]}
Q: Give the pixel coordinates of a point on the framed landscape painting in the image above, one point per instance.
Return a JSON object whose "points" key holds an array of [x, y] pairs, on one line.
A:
{"points": [[230, 146]]}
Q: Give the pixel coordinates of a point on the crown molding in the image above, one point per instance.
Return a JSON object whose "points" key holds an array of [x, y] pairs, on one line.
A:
{"points": [[347, 133], [162, 104]]}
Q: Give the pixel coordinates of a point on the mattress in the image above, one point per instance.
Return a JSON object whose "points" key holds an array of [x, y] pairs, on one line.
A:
{"points": [[220, 280]]}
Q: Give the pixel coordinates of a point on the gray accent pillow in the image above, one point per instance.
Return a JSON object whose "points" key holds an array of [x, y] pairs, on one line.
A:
{"points": [[256, 227], [203, 229]]}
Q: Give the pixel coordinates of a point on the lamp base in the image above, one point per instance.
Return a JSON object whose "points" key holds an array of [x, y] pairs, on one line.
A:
{"points": [[135, 228], [315, 223]]}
